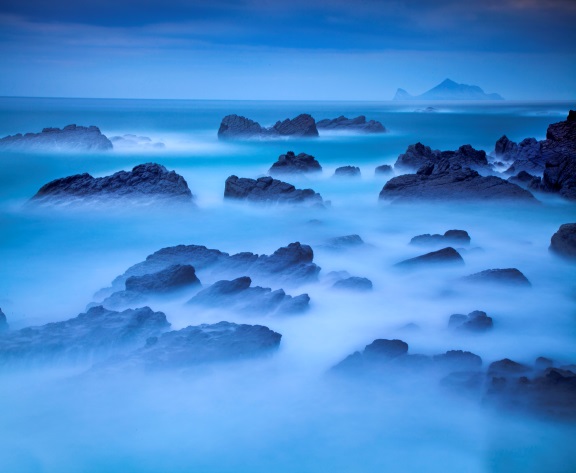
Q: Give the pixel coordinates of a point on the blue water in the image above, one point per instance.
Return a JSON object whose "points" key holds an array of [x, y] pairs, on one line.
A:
{"points": [[280, 414]]}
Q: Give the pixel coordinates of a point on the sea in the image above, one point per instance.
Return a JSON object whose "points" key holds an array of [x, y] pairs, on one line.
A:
{"points": [[283, 413]]}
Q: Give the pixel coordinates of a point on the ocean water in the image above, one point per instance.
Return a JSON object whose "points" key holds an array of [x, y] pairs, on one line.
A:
{"points": [[281, 413]]}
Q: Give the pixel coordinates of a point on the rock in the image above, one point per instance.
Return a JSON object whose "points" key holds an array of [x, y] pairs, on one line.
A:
{"points": [[508, 276], [543, 363], [3, 322], [444, 256], [238, 296], [458, 360], [563, 242], [454, 237], [415, 157], [206, 343], [290, 163], [526, 180], [527, 157], [266, 189], [292, 264], [98, 333], [385, 349], [146, 183], [131, 142], [384, 170], [507, 367], [419, 155], [347, 171], [505, 149], [69, 138], [374, 356], [358, 124], [354, 284], [238, 127], [343, 242], [476, 321], [452, 182]]}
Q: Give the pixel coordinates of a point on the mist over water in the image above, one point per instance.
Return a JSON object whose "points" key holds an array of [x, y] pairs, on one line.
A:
{"points": [[281, 413]]}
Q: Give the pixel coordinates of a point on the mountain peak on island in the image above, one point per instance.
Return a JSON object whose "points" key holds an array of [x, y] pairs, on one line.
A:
{"points": [[449, 90]]}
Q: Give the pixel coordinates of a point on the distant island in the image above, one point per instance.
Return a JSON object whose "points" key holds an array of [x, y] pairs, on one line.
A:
{"points": [[449, 90]]}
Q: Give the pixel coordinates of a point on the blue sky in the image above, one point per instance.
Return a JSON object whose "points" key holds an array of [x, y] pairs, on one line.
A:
{"points": [[264, 49]]}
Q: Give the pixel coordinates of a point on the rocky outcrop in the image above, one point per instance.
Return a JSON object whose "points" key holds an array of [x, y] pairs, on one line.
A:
{"points": [[444, 256], [527, 156], [347, 171], [526, 181], [292, 264], [384, 170], [508, 276], [69, 138], [563, 242], [447, 181], [238, 127], [196, 345], [96, 334], [146, 183], [139, 289], [268, 190], [3, 322], [450, 237], [476, 321], [358, 124], [238, 296], [418, 155], [290, 163], [353, 283]]}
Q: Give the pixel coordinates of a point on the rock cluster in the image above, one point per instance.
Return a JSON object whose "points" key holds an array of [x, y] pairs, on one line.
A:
{"points": [[418, 155], [476, 321], [238, 127], [268, 190], [454, 237], [291, 163], [69, 138]]}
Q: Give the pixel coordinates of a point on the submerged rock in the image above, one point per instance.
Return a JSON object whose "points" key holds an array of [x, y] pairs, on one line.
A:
{"points": [[130, 141], [452, 182], [508, 276], [358, 124], [71, 137], [3, 322], [353, 284], [444, 256], [146, 183], [458, 360], [238, 296], [290, 163], [476, 321], [98, 333], [455, 237], [384, 170], [238, 127], [563, 242], [206, 343], [343, 242], [347, 171], [266, 189]]}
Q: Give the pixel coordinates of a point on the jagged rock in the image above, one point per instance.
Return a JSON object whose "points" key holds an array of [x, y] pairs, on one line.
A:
{"points": [[130, 141], [146, 183], [415, 157], [358, 124], [446, 181], [383, 170], [444, 256], [527, 157], [354, 284], [290, 163], [458, 360], [418, 155], [343, 242], [508, 276], [98, 333], [237, 295], [292, 264], [238, 127], [347, 171], [476, 321], [455, 237], [505, 149], [527, 181], [563, 242], [194, 345], [71, 137], [3, 322], [266, 189]]}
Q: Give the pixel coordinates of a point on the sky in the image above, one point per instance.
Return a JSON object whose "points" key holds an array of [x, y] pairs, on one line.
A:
{"points": [[285, 50]]}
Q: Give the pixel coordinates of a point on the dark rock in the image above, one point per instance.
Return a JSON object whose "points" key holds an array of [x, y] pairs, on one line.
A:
{"points": [[526, 180], [206, 343], [170, 279], [505, 149], [458, 360], [301, 126], [415, 157], [455, 237], [444, 256], [347, 171], [354, 284], [508, 276], [145, 183], [3, 322], [238, 127], [419, 155], [266, 189], [95, 334], [384, 170], [237, 295], [527, 157], [290, 163], [344, 242], [358, 124], [446, 181], [507, 367], [563, 242], [476, 321], [71, 137], [385, 349]]}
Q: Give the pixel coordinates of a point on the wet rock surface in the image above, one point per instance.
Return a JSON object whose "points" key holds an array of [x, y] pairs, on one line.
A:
{"points": [[69, 138], [291, 163], [268, 190], [563, 242], [418, 155]]}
